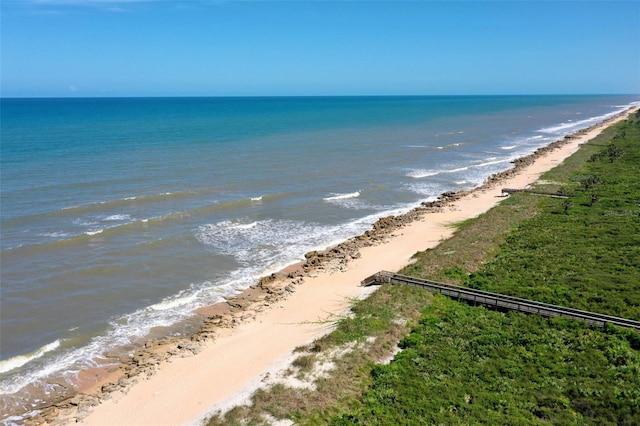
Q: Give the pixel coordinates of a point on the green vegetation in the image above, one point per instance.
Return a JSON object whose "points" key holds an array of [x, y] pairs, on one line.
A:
{"points": [[474, 242], [469, 365], [582, 252]]}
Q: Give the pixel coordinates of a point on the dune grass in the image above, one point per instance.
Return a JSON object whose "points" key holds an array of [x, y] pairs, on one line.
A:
{"points": [[470, 365], [369, 335]]}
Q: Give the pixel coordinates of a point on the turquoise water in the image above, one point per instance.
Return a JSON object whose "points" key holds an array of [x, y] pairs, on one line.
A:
{"points": [[120, 215]]}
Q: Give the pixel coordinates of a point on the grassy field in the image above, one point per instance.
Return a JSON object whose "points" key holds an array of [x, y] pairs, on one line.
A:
{"points": [[469, 365]]}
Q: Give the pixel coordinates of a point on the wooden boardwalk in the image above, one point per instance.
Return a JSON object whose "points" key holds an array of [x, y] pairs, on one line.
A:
{"points": [[500, 301]]}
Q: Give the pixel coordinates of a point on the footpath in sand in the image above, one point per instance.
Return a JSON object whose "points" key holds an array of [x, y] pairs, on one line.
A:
{"points": [[228, 368]]}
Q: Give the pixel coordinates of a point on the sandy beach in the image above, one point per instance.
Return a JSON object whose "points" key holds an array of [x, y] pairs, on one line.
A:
{"points": [[255, 334]]}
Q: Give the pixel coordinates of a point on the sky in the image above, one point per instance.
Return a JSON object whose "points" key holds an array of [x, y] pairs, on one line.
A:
{"points": [[87, 48]]}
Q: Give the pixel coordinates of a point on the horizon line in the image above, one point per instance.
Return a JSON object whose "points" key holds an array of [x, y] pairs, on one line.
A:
{"points": [[312, 96]]}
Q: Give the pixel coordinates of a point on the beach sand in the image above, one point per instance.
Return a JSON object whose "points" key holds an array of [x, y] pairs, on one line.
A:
{"points": [[227, 369]]}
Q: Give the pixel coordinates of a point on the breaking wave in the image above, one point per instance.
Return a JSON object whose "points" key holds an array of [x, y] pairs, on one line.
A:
{"points": [[20, 360], [346, 196]]}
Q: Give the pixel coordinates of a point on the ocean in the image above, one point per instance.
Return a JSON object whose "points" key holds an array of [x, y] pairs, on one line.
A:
{"points": [[120, 217]]}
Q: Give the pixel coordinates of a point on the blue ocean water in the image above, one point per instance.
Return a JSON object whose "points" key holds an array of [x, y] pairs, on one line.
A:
{"points": [[122, 215]]}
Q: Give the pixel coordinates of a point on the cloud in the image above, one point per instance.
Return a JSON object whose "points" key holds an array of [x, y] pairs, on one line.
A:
{"points": [[115, 5], [59, 7], [64, 7], [86, 2]]}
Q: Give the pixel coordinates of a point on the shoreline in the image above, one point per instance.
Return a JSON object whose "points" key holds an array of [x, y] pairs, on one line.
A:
{"points": [[179, 380]]}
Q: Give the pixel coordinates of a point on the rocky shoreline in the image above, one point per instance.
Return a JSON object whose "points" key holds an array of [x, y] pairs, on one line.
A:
{"points": [[213, 321]]}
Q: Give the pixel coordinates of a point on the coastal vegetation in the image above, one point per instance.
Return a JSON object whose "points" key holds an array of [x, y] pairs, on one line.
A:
{"points": [[461, 364], [470, 365]]}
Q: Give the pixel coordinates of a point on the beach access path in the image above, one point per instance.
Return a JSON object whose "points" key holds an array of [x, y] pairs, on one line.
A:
{"points": [[228, 369]]}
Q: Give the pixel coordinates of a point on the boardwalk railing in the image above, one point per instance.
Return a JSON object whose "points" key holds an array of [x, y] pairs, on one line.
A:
{"points": [[500, 301]]}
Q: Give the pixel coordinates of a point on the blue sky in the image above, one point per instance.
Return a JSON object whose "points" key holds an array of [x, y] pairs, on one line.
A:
{"points": [[231, 48]]}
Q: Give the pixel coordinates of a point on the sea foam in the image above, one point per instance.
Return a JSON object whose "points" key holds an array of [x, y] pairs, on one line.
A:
{"points": [[336, 197], [570, 126], [20, 360], [174, 302], [115, 217], [419, 174]]}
